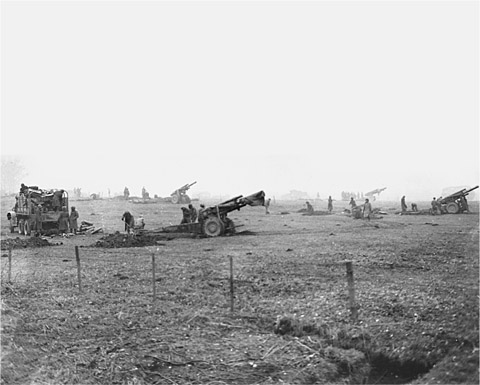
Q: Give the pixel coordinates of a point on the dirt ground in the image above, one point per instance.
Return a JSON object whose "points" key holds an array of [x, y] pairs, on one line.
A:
{"points": [[416, 291]]}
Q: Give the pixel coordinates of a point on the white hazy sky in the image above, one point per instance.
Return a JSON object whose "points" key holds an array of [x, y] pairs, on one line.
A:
{"points": [[242, 96]]}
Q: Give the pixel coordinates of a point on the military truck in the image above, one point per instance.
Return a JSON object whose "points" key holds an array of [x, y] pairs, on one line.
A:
{"points": [[34, 205]]}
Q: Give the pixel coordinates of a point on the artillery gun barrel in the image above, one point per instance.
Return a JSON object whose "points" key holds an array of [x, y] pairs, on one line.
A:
{"points": [[474, 188]]}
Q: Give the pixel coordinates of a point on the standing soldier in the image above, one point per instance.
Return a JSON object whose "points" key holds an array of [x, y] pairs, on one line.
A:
{"points": [[193, 213], [126, 193], [200, 213], [403, 204], [73, 221], [330, 204], [367, 209], [56, 200], [267, 205], [353, 204], [63, 221]]}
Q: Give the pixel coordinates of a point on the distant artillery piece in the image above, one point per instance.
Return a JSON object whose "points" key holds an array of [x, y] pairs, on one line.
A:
{"points": [[456, 202], [371, 194], [214, 221], [179, 196]]}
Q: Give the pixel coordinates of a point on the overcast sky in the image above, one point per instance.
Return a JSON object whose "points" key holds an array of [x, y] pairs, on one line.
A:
{"points": [[243, 96]]}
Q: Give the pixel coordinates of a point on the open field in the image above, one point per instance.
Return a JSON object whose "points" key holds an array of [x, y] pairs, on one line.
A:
{"points": [[416, 281]]}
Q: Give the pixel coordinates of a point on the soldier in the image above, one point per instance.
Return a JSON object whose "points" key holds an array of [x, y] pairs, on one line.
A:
{"points": [[309, 208], [200, 213], [330, 204], [73, 221], [434, 206], [193, 213], [186, 216], [140, 222], [403, 204], [367, 209], [267, 205], [414, 207], [63, 221], [353, 204], [57, 200], [126, 193], [129, 221]]}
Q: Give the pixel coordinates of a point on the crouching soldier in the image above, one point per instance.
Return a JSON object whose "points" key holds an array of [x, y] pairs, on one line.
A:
{"points": [[129, 221]]}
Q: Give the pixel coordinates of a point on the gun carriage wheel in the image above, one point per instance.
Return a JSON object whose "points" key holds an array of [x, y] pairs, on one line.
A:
{"points": [[175, 199], [213, 227], [452, 208]]}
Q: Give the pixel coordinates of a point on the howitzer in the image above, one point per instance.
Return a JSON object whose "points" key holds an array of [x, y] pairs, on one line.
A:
{"points": [[456, 202], [376, 191], [213, 221], [180, 194]]}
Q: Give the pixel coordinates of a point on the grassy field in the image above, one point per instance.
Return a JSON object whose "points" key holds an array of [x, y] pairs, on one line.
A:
{"points": [[416, 282]]}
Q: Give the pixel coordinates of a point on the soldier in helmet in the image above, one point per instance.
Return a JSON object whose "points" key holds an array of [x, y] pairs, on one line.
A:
{"points": [[193, 213], [186, 218]]}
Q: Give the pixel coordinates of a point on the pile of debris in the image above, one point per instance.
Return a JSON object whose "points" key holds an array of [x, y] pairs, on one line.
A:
{"points": [[21, 243], [118, 240], [88, 228]]}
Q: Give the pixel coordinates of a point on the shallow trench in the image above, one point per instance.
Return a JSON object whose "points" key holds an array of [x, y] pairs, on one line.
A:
{"points": [[377, 367], [385, 370]]}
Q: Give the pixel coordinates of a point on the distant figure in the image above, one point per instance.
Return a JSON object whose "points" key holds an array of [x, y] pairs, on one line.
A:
{"points": [[140, 222], [144, 193], [403, 204], [129, 221], [434, 206], [267, 205], [126, 193], [73, 221], [353, 203], [23, 189], [414, 207], [439, 205], [193, 213], [309, 208], [464, 204], [330, 204], [186, 216], [201, 211], [63, 221], [367, 209]]}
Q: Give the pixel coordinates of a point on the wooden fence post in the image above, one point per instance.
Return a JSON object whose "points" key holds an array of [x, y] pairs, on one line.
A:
{"points": [[10, 264], [351, 292], [153, 278], [231, 283], [79, 273]]}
